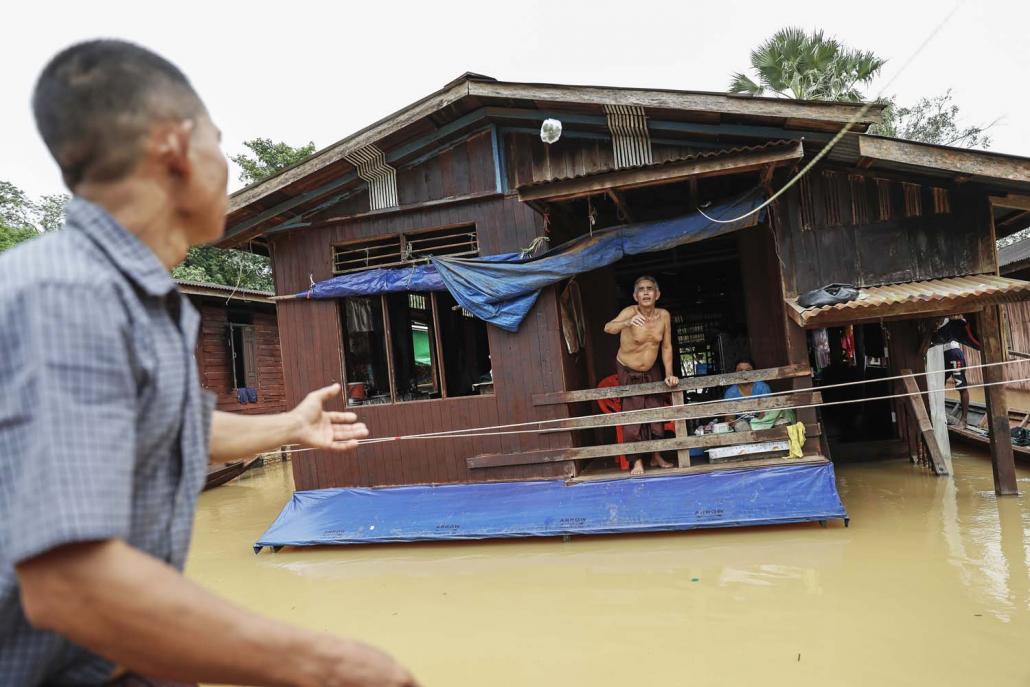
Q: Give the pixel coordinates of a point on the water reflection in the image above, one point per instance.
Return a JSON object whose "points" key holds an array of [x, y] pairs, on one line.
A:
{"points": [[929, 585]]}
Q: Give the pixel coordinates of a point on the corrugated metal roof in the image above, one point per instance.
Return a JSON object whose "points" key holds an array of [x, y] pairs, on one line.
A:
{"points": [[705, 155], [1014, 252], [199, 288], [223, 287], [913, 299]]}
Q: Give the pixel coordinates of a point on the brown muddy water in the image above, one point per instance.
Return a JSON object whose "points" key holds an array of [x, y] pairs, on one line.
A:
{"points": [[929, 586]]}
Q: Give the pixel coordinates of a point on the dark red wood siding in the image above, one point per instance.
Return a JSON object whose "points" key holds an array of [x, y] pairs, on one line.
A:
{"points": [[215, 366], [524, 363]]}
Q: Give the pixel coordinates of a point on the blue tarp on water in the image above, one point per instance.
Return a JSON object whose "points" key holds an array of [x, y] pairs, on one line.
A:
{"points": [[725, 498], [501, 289]]}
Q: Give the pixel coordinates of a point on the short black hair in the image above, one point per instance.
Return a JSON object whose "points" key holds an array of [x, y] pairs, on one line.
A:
{"points": [[745, 359], [96, 100], [645, 277]]}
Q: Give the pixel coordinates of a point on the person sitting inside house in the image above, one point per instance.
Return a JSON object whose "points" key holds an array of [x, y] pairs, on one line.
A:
{"points": [[643, 329], [953, 334], [753, 421]]}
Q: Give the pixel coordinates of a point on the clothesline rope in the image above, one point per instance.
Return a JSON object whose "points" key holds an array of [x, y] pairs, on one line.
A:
{"points": [[823, 404], [458, 433], [475, 433]]}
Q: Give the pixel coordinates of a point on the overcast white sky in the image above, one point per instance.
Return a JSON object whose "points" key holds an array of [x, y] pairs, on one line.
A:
{"points": [[300, 71]]}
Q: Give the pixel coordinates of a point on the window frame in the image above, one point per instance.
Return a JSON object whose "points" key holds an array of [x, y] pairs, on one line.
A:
{"points": [[247, 356], [403, 240], [436, 341]]}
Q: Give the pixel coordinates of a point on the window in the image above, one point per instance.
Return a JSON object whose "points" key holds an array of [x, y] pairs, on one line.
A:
{"points": [[411, 347], [367, 365], [242, 343], [397, 251]]}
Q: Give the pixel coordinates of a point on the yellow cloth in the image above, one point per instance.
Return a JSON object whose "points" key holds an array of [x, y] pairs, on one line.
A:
{"points": [[796, 434]]}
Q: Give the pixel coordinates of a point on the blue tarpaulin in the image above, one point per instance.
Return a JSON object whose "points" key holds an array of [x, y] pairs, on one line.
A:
{"points": [[501, 289], [725, 498]]}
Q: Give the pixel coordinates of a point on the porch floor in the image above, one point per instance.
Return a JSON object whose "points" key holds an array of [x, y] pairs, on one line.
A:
{"points": [[596, 473]]}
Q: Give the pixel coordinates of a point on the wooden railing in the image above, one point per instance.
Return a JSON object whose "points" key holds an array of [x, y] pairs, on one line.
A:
{"points": [[683, 441]]}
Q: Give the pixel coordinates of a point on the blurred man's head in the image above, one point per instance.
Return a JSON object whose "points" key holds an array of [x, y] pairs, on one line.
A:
{"points": [[110, 111]]}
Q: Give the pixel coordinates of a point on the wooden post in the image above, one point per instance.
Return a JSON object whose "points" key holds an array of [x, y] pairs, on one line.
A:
{"points": [[797, 353], [997, 406], [682, 455], [922, 421], [938, 414]]}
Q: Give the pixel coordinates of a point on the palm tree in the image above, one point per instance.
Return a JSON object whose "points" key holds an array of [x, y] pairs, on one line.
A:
{"points": [[794, 64]]}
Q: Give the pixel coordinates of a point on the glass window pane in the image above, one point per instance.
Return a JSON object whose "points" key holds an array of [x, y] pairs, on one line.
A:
{"points": [[466, 349], [414, 347], [364, 340]]}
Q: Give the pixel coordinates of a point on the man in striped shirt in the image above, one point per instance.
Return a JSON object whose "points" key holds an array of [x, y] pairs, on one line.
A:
{"points": [[104, 429]]}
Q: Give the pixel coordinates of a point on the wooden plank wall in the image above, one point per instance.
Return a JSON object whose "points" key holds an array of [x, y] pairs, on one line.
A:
{"points": [[1017, 318], [215, 366], [854, 227], [524, 363]]}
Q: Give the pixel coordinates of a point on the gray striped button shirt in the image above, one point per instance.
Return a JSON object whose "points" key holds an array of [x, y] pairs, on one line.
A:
{"points": [[103, 424]]}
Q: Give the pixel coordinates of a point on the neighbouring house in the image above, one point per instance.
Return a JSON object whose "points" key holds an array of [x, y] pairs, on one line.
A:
{"points": [[238, 347], [463, 173]]}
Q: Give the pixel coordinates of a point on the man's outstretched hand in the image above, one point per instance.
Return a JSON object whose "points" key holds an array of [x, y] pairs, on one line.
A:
{"points": [[320, 428]]}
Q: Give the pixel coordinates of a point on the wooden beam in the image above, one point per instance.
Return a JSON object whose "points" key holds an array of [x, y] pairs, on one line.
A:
{"points": [[1020, 220], [686, 384], [438, 352], [1012, 202], [677, 100], [693, 412], [669, 172], [915, 404], [558, 455], [699, 469], [958, 161], [1002, 460], [681, 431]]}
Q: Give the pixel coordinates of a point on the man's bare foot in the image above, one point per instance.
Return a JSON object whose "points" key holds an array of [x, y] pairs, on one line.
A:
{"points": [[660, 462], [638, 467]]}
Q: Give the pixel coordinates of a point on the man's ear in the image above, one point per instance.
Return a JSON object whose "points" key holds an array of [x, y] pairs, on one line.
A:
{"points": [[170, 142]]}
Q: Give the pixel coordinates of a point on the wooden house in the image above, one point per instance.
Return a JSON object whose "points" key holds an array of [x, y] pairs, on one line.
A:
{"points": [[464, 172], [238, 347]]}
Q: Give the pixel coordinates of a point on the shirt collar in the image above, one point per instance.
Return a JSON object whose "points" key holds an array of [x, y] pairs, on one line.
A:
{"points": [[132, 257]]}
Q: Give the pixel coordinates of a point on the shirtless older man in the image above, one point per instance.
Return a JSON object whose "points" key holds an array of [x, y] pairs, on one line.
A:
{"points": [[642, 329]]}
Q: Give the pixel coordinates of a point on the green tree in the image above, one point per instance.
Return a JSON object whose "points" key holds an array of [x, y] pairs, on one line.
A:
{"points": [[16, 210], [50, 210], [269, 158], [233, 267], [796, 64], [932, 120], [22, 219], [227, 267]]}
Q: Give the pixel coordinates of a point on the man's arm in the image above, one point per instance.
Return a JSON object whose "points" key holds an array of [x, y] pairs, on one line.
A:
{"points": [[671, 379], [239, 436], [140, 613], [629, 317]]}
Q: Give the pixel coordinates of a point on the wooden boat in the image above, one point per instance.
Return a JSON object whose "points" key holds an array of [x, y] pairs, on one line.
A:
{"points": [[220, 473], [974, 434]]}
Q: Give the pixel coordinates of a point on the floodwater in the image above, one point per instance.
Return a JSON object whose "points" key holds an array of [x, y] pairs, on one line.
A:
{"points": [[929, 586]]}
